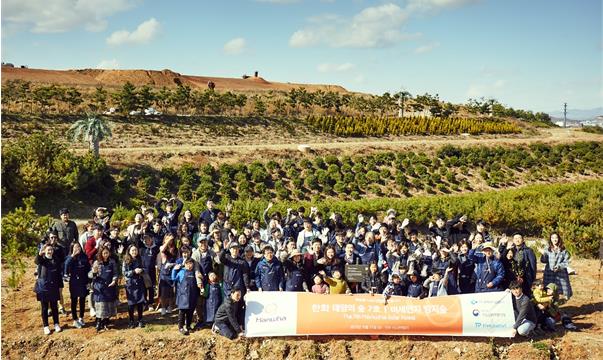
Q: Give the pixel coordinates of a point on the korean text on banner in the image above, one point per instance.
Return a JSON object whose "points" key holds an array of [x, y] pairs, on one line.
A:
{"points": [[285, 314]]}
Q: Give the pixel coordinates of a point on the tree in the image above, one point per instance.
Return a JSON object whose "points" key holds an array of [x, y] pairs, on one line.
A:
{"points": [[146, 97], [401, 97], [259, 106], [93, 130], [126, 98], [42, 95], [73, 98], [99, 99], [9, 93], [181, 97], [163, 99], [293, 99], [240, 101]]}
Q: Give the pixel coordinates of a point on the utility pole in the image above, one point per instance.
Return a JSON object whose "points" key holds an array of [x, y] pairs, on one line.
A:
{"points": [[564, 114]]}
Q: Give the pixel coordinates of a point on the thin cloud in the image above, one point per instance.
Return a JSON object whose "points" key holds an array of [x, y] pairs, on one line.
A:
{"points": [[373, 27], [56, 16], [108, 64], [143, 34], [426, 48], [377, 26], [489, 89], [235, 46], [327, 67]]}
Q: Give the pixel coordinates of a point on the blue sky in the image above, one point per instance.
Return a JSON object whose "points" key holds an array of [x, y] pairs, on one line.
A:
{"points": [[531, 54]]}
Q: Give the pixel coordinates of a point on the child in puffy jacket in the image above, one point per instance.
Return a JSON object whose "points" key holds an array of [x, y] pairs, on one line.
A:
{"points": [[337, 285]]}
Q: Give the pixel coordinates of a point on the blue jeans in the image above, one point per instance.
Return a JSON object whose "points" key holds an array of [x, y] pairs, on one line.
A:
{"points": [[525, 328]]}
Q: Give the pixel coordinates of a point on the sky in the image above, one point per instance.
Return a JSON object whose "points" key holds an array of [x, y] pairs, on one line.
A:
{"points": [[528, 54]]}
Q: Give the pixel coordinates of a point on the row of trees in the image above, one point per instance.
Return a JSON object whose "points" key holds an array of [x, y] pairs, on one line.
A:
{"points": [[492, 107], [386, 125], [23, 96], [452, 169]]}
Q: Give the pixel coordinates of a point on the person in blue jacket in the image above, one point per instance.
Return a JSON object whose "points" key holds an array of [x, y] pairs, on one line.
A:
{"points": [[295, 272], [148, 255], [489, 272], [466, 269], [52, 238], [104, 275], [76, 271], [135, 287], [47, 285], [236, 271], [415, 285], [269, 273], [166, 285], [214, 295], [172, 216], [227, 321], [187, 294]]}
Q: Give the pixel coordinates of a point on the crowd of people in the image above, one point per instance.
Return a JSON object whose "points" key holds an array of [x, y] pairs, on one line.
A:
{"points": [[202, 266]]}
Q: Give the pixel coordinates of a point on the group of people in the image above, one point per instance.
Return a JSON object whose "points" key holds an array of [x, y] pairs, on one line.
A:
{"points": [[204, 266]]}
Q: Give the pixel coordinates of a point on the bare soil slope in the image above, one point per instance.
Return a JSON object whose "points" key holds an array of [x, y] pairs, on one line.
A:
{"points": [[87, 78], [22, 336]]}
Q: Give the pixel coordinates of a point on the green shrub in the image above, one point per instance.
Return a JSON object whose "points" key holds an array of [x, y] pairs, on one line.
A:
{"points": [[23, 228], [38, 164]]}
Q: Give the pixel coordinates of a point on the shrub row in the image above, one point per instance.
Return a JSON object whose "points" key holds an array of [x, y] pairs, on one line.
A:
{"points": [[379, 126]]}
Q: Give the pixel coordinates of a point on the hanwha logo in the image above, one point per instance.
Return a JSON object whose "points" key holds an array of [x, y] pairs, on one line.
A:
{"points": [[271, 308], [475, 312]]}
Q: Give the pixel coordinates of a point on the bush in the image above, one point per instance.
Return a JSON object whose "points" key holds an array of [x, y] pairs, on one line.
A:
{"points": [[311, 182], [23, 228], [38, 164]]}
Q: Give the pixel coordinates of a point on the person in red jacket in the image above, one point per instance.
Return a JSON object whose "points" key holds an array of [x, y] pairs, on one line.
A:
{"points": [[91, 248]]}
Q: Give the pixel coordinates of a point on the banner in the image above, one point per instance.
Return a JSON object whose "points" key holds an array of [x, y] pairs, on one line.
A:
{"points": [[294, 313]]}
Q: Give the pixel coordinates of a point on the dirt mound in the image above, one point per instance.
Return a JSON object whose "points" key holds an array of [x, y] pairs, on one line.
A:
{"points": [[138, 77], [22, 335], [155, 78]]}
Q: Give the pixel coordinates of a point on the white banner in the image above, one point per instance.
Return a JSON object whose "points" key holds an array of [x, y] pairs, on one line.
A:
{"points": [[292, 313]]}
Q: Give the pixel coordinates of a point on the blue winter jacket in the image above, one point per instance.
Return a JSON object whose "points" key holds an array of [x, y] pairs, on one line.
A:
{"points": [[486, 271], [269, 275]]}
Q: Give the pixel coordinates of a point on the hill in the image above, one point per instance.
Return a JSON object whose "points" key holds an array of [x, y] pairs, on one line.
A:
{"points": [[87, 78]]}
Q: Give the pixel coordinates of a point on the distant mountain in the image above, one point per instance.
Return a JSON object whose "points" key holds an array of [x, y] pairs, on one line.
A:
{"points": [[579, 114]]}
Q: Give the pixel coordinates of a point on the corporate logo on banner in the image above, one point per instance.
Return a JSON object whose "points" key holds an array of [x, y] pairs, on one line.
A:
{"points": [[270, 316]]}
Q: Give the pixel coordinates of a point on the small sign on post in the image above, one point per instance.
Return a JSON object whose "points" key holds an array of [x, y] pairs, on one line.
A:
{"points": [[355, 273]]}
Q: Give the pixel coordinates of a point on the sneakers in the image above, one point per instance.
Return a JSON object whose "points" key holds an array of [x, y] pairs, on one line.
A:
{"points": [[184, 331], [81, 321], [131, 325], [141, 324], [57, 328], [62, 311], [76, 324], [163, 311], [570, 326], [215, 330], [46, 330]]}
